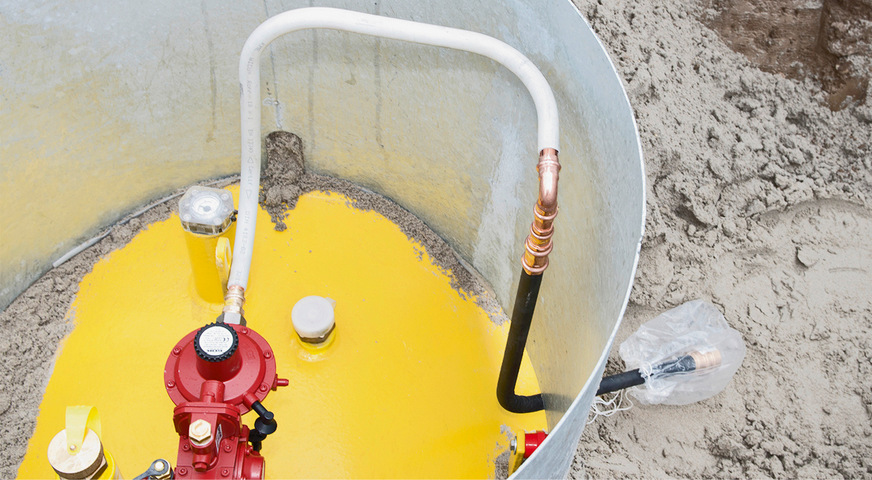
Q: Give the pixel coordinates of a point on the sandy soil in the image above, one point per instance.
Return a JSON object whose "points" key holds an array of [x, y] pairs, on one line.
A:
{"points": [[758, 202], [759, 180]]}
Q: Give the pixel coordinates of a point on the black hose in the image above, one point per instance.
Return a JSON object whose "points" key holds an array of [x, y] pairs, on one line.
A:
{"points": [[620, 381], [683, 364], [613, 383], [522, 317]]}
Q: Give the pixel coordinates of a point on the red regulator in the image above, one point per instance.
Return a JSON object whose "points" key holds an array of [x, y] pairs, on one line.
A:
{"points": [[215, 375]]}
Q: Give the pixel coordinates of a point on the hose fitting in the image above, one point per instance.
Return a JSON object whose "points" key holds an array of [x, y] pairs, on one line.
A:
{"points": [[234, 299], [538, 244], [708, 359]]}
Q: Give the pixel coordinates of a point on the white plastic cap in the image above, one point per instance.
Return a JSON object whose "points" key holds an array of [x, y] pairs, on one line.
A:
{"points": [[312, 317]]}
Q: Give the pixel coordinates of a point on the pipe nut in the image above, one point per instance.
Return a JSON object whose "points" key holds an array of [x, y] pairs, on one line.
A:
{"points": [[234, 299], [200, 432]]}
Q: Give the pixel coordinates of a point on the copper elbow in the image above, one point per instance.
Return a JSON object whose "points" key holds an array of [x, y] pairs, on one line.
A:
{"points": [[549, 173], [538, 244]]}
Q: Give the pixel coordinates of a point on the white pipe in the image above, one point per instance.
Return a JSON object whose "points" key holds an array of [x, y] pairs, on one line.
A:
{"points": [[336, 19]]}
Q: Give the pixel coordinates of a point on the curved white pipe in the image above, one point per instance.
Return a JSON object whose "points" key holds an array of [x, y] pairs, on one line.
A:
{"points": [[336, 19]]}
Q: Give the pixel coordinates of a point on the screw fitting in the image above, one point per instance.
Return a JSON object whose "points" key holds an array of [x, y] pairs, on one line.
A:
{"points": [[200, 432], [234, 299]]}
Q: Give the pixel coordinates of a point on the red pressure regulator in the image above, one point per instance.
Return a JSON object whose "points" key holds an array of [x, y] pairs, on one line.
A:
{"points": [[215, 375]]}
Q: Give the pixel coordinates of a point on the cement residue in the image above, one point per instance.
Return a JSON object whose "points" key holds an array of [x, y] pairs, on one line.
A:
{"points": [[284, 179], [759, 202], [34, 324]]}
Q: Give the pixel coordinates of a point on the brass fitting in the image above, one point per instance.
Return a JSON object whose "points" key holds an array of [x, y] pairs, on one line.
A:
{"points": [[164, 467], [706, 360], [538, 244], [234, 299], [200, 432], [84, 462]]}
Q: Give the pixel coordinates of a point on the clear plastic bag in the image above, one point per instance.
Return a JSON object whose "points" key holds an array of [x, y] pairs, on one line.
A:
{"points": [[694, 334]]}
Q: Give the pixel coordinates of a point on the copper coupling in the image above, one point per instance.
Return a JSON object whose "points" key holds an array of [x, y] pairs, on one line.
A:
{"points": [[707, 359], [234, 299], [538, 244]]}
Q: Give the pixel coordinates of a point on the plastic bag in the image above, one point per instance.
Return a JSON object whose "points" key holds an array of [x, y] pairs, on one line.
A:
{"points": [[664, 345]]}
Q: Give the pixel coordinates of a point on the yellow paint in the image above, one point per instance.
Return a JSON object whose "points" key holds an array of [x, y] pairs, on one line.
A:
{"points": [[208, 256], [112, 472], [407, 388], [517, 457]]}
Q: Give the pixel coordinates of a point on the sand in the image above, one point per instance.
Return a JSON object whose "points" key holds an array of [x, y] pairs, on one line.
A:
{"points": [[758, 202], [759, 170]]}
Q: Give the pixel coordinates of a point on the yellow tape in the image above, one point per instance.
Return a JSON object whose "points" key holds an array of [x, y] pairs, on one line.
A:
{"points": [[223, 256], [79, 419]]}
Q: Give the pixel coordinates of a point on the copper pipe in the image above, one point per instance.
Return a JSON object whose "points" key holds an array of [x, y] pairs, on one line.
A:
{"points": [[538, 244]]}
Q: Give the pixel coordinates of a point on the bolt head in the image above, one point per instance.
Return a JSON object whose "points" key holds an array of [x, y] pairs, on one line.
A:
{"points": [[200, 432], [513, 445]]}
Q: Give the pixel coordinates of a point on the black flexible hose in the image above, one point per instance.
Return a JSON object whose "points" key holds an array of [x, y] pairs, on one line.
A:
{"points": [[522, 317], [613, 383]]}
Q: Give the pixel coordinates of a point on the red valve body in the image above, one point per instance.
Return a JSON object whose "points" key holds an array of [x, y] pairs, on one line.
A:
{"points": [[219, 393], [532, 440]]}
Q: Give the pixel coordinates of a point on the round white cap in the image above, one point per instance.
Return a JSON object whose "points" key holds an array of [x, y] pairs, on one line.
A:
{"points": [[76, 464], [312, 317]]}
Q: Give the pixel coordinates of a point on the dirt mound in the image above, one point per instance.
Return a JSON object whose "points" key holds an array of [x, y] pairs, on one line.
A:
{"points": [[829, 41]]}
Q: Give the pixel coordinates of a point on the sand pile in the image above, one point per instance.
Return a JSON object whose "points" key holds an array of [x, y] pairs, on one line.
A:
{"points": [[759, 202]]}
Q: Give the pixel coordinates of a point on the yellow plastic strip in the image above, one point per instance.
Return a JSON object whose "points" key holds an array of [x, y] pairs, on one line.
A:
{"points": [[78, 420], [223, 255]]}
